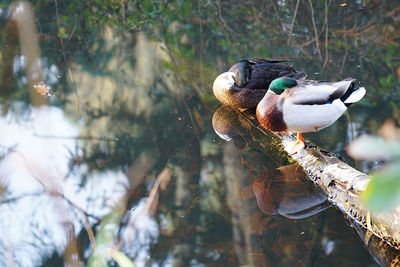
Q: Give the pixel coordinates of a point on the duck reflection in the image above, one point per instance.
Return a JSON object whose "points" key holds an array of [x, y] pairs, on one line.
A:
{"points": [[283, 191], [228, 125]]}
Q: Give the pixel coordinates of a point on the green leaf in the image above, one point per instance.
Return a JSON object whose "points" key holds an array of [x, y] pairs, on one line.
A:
{"points": [[105, 237], [121, 258], [383, 191]]}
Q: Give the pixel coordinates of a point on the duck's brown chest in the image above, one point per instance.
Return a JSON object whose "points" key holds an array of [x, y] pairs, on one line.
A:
{"points": [[269, 115]]}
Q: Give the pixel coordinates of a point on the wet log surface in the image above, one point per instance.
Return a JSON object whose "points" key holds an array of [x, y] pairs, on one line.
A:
{"points": [[341, 182]]}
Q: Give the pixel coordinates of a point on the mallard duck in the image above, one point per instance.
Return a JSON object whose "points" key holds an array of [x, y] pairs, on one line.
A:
{"points": [[245, 83], [305, 106]]}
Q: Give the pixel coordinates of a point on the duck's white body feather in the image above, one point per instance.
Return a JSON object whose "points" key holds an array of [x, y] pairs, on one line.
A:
{"points": [[311, 118], [312, 105]]}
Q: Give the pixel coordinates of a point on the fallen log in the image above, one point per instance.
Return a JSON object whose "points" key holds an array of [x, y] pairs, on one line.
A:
{"points": [[342, 183]]}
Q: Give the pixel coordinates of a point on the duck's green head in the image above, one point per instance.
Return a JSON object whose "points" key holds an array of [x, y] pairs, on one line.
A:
{"points": [[242, 73], [279, 85]]}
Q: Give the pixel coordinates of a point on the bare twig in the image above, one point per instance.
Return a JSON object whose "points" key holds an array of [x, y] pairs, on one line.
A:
{"points": [[65, 59], [73, 29], [222, 19], [315, 30], [150, 206], [345, 55], [10, 254], [300, 46], [58, 26], [276, 10], [293, 19], [52, 188], [123, 15], [177, 75], [162, 180], [76, 137], [201, 46], [326, 35]]}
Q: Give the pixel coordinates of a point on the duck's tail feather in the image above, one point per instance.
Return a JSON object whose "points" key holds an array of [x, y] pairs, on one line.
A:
{"points": [[353, 94]]}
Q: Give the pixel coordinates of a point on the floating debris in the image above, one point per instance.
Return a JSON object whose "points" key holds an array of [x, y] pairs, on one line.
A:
{"points": [[43, 89]]}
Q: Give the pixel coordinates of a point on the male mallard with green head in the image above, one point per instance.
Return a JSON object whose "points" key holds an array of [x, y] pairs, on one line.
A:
{"points": [[245, 83], [305, 106]]}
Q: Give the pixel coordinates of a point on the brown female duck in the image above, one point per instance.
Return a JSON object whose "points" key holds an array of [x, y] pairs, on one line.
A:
{"points": [[245, 83]]}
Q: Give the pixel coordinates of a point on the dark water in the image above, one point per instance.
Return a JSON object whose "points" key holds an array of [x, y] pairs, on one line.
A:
{"points": [[107, 138]]}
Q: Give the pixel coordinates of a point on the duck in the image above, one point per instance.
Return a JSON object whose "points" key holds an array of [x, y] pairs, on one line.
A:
{"points": [[283, 191], [246, 82], [303, 106], [229, 126]]}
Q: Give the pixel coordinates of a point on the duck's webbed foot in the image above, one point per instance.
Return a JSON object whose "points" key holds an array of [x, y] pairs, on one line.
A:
{"points": [[297, 145]]}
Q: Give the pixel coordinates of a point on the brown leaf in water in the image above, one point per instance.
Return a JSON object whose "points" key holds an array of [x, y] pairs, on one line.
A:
{"points": [[266, 199], [258, 223], [160, 184], [42, 89]]}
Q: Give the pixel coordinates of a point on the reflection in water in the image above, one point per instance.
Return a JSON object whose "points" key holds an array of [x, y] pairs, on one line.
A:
{"points": [[22, 29], [283, 192], [229, 126], [40, 185], [37, 192], [382, 252]]}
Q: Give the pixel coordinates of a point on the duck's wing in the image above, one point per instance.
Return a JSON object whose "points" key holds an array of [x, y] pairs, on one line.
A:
{"points": [[282, 69], [263, 73], [309, 92], [263, 60], [298, 75]]}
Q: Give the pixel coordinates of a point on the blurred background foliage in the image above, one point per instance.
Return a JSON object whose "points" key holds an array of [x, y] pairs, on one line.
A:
{"points": [[137, 76]]}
